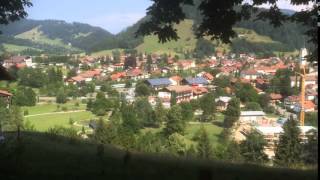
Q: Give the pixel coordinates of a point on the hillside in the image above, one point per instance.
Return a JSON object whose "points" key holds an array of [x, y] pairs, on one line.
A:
{"points": [[44, 156], [59, 37], [53, 36], [254, 36]]}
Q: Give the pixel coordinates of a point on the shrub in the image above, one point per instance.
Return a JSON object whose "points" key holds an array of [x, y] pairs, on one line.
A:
{"points": [[26, 112]]}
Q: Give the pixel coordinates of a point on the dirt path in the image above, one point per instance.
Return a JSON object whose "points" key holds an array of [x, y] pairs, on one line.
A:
{"points": [[52, 113]]}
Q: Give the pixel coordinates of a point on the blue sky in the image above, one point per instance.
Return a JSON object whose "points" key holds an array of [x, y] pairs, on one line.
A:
{"points": [[112, 15]]}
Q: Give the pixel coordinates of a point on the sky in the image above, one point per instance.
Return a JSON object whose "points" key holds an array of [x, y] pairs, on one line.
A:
{"points": [[112, 15]]}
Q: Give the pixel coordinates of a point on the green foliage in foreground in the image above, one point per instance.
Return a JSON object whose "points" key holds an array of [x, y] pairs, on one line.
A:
{"points": [[39, 157]]}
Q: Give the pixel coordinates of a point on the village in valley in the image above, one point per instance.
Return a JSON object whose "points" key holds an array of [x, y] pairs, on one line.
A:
{"points": [[84, 90]]}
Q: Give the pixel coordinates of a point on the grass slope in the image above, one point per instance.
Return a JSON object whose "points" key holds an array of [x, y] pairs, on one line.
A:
{"points": [[49, 157], [37, 36], [17, 48], [43, 122], [188, 40]]}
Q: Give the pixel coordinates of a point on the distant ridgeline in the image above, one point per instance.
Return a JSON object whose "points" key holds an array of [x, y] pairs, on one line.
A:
{"points": [[58, 37]]}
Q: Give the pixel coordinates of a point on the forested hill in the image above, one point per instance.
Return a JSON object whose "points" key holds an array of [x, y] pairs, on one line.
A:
{"points": [[59, 37], [52, 35], [259, 37]]}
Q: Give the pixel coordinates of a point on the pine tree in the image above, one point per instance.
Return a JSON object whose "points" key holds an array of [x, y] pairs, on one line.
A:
{"points": [[252, 149], [16, 119], [289, 149], [173, 99], [175, 122], [232, 113], [310, 149], [204, 147], [160, 113]]}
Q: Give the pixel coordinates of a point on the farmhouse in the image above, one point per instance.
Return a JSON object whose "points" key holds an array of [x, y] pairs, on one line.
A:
{"points": [[182, 93], [19, 61]]}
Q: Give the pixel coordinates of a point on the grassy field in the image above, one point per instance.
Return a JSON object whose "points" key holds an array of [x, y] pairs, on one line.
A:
{"points": [[213, 131], [49, 108], [187, 41], [16, 48], [43, 122], [191, 129], [44, 116]]}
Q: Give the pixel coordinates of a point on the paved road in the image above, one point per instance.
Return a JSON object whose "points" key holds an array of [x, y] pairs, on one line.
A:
{"points": [[62, 112]]}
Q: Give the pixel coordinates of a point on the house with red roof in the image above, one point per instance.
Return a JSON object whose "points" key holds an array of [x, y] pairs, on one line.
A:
{"points": [[185, 65], [118, 76], [250, 74], [309, 106], [274, 98], [198, 92], [182, 93], [176, 80], [309, 80], [208, 76], [136, 74], [18, 61]]}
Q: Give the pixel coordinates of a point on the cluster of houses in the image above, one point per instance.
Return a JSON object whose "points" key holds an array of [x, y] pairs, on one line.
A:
{"points": [[247, 69], [18, 61]]}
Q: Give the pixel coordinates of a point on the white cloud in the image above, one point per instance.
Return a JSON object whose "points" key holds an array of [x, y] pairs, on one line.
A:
{"points": [[115, 22], [285, 4]]}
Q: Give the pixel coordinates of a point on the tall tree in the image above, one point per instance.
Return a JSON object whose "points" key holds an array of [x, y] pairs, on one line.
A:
{"points": [[16, 119], [232, 113], [208, 106], [13, 10], [175, 122], [205, 149], [176, 144], [149, 63], [129, 119], [252, 149], [142, 89], [145, 112], [310, 149], [160, 112], [289, 149], [187, 111]]}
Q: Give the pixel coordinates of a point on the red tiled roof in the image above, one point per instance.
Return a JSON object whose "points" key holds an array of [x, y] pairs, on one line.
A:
{"points": [[199, 90], [77, 79], [309, 105], [274, 96], [179, 89], [208, 76], [249, 72], [117, 76]]}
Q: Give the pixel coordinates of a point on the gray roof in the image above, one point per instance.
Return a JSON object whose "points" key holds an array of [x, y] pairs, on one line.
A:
{"points": [[159, 82], [252, 113], [197, 80]]}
